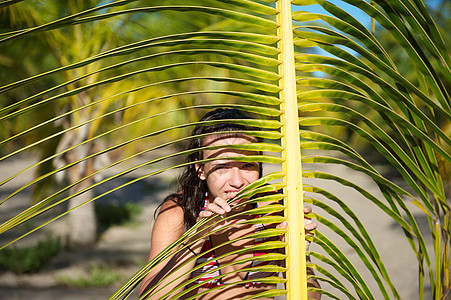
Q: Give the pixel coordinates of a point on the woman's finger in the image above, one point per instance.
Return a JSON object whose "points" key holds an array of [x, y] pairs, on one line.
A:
{"points": [[205, 213], [307, 245], [282, 225], [222, 203], [309, 224], [215, 209], [219, 206]]}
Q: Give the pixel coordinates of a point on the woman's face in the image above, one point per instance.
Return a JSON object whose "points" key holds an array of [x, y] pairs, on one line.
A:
{"points": [[225, 177]]}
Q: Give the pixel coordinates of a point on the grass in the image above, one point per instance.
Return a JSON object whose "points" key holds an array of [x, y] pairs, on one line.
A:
{"points": [[98, 276], [29, 259]]}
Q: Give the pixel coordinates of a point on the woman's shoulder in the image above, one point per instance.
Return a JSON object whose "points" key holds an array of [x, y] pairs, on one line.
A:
{"points": [[170, 219], [168, 226], [170, 206]]}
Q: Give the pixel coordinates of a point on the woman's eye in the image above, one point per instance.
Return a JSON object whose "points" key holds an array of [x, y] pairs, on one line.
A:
{"points": [[250, 166]]}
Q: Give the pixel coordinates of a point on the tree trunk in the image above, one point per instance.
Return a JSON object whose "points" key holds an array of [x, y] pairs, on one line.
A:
{"points": [[82, 224], [82, 221]]}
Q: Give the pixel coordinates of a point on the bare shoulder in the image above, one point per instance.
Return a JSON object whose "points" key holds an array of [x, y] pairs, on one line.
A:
{"points": [[170, 205], [168, 226], [170, 214]]}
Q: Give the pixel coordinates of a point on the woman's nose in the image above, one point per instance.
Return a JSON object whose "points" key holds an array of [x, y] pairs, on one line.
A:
{"points": [[236, 178]]}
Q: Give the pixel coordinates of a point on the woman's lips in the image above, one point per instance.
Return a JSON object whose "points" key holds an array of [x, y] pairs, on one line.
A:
{"points": [[231, 194]]}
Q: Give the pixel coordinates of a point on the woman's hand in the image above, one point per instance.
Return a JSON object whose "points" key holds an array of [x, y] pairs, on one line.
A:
{"points": [[309, 225], [219, 206]]}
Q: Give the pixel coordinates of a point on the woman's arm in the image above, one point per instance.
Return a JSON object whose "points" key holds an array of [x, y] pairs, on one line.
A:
{"points": [[168, 227]]}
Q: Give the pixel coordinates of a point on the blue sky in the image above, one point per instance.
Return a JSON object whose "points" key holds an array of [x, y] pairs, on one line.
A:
{"points": [[355, 12]]}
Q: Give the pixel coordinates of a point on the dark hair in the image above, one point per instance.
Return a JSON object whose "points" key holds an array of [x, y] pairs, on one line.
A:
{"points": [[192, 189]]}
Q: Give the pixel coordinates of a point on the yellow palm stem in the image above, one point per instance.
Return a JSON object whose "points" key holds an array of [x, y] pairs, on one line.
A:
{"points": [[295, 236]]}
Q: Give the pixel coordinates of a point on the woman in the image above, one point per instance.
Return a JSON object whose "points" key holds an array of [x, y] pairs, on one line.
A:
{"points": [[204, 191]]}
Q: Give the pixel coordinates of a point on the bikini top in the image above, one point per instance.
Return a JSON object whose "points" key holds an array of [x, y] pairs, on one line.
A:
{"points": [[212, 269]]}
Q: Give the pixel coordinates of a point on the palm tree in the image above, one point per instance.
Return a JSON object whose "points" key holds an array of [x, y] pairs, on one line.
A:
{"points": [[252, 61]]}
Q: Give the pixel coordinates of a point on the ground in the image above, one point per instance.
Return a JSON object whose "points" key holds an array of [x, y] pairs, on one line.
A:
{"points": [[126, 247]]}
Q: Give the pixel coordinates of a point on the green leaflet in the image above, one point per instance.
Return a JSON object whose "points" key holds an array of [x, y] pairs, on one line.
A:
{"points": [[258, 110], [263, 246], [266, 209], [427, 31], [63, 20], [303, 2], [360, 253], [395, 216], [271, 280], [395, 143], [261, 123], [236, 45], [9, 2], [249, 42], [340, 270], [376, 79], [79, 19], [343, 263], [243, 69], [350, 27], [363, 238], [328, 41], [234, 15], [408, 132], [33, 211], [389, 156], [235, 40], [253, 6], [396, 26], [268, 135], [372, 173], [260, 182], [266, 294], [397, 118], [265, 188], [335, 282], [266, 220]]}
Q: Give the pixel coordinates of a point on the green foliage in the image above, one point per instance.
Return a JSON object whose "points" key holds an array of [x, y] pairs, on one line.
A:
{"points": [[29, 259], [97, 276], [116, 214]]}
